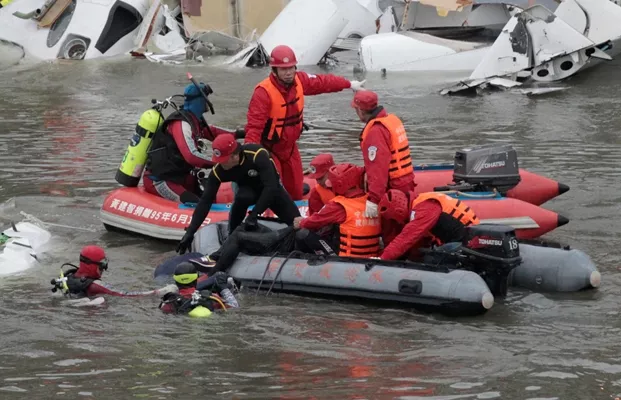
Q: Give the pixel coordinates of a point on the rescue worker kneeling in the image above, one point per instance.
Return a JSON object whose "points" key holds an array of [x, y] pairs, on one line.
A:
{"points": [[85, 280], [197, 299], [321, 194], [176, 150], [356, 236], [431, 218]]}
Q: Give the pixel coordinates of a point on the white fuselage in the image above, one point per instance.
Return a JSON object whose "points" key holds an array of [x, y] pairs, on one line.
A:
{"points": [[87, 29]]}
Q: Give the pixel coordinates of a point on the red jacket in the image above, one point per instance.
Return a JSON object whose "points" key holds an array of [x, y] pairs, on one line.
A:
{"points": [[187, 143], [331, 213], [426, 215], [377, 169], [260, 105]]}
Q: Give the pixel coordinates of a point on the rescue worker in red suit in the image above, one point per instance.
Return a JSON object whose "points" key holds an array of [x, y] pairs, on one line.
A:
{"points": [[385, 149], [176, 153], [276, 113], [358, 235], [85, 280], [321, 193], [430, 218]]}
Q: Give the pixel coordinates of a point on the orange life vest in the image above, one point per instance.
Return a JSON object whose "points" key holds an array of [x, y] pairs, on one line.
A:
{"points": [[324, 193], [360, 236], [278, 114], [401, 161], [456, 215]]}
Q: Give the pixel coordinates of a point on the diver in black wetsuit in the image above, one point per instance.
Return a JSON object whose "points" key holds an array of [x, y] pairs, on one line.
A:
{"points": [[251, 167]]}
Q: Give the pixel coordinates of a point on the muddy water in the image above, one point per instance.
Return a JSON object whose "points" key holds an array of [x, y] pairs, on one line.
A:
{"points": [[63, 130]]}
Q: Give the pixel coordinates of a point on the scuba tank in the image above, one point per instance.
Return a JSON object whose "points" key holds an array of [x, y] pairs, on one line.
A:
{"points": [[133, 162], [135, 158]]}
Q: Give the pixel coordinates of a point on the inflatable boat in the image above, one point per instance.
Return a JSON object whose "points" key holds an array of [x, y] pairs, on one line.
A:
{"points": [[19, 245], [486, 177], [462, 279], [135, 210]]}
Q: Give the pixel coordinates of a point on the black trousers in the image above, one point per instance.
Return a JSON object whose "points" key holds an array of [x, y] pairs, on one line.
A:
{"points": [[266, 242], [282, 205]]}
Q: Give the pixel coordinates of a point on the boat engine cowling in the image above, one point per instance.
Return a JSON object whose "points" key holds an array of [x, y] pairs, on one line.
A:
{"points": [[484, 168], [491, 251]]}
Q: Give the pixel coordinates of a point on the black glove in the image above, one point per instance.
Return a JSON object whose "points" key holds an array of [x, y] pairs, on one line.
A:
{"points": [[185, 243], [251, 224], [240, 133]]}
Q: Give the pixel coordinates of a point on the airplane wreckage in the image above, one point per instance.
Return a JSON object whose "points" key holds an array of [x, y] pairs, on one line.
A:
{"points": [[502, 43]]}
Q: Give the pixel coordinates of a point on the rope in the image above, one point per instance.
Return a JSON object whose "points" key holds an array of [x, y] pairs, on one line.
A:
{"points": [[279, 270]]}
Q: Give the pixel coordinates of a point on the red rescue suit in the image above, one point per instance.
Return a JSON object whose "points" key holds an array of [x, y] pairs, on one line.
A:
{"points": [[319, 196], [386, 154], [277, 131], [185, 138], [434, 216]]}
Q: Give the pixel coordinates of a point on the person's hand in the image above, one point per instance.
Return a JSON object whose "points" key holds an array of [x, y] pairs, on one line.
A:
{"points": [[185, 243], [371, 210], [357, 85], [251, 224], [296, 222], [172, 288]]}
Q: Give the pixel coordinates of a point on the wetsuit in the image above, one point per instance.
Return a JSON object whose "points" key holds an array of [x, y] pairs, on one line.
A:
{"points": [[258, 184]]}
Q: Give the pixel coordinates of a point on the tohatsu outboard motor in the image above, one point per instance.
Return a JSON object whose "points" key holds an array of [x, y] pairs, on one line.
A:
{"points": [[484, 168], [491, 251]]}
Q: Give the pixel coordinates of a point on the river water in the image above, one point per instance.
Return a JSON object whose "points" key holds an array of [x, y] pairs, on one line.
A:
{"points": [[63, 131]]}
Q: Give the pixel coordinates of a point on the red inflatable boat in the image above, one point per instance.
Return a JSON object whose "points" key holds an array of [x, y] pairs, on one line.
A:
{"points": [[134, 210]]}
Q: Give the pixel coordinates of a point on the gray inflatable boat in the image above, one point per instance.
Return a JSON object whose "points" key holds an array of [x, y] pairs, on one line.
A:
{"points": [[460, 280]]}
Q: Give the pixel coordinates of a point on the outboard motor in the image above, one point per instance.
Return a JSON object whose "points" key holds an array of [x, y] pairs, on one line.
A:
{"points": [[491, 251], [483, 168]]}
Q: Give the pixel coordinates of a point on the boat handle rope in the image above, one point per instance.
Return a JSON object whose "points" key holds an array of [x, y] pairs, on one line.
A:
{"points": [[294, 252], [265, 272]]}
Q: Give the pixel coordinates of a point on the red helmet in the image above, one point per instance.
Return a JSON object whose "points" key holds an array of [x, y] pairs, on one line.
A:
{"points": [[344, 177], [394, 205], [92, 262], [283, 56]]}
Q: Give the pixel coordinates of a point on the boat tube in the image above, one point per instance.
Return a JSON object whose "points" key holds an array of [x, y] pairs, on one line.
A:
{"points": [[19, 245], [460, 278]]}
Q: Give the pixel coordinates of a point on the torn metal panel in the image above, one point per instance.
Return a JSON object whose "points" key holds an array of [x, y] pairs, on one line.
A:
{"points": [[510, 52], [603, 18], [551, 37], [570, 12]]}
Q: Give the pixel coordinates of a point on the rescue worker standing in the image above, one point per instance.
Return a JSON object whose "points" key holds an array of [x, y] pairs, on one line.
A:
{"points": [[276, 113], [359, 236], [176, 150], [321, 193], [434, 216], [385, 149], [252, 169]]}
